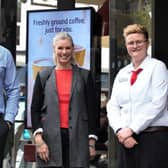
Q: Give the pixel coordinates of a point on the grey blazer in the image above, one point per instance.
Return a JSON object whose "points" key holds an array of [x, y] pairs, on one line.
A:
{"points": [[82, 117]]}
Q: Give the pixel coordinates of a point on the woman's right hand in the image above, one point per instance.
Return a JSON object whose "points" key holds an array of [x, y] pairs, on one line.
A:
{"points": [[42, 147]]}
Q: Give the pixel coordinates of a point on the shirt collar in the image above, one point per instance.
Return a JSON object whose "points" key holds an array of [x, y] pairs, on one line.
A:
{"points": [[142, 65]]}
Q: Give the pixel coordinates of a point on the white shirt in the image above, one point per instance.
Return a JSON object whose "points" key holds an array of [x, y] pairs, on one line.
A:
{"points": [[144, 103]]}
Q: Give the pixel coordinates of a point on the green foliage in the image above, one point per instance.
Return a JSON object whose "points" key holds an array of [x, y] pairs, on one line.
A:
{"points": [[142, 16]]}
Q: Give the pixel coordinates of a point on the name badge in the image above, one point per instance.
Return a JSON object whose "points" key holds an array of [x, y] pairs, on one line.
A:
{"points": [[122, 79]]}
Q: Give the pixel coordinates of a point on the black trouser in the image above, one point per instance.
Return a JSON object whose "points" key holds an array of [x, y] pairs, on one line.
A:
{"points": [[150, 152], [65, 147], [3, 138]]}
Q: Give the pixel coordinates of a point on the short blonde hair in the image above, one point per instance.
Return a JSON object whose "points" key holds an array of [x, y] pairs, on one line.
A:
{"points": [[135, 28], [63, 36]]}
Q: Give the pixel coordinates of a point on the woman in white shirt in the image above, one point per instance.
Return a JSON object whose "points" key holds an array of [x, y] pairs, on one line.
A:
{"points": [[137, 109]]}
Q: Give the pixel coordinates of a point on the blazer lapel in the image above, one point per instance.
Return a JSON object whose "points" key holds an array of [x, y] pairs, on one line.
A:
{"points": [[75, 78], [52, 84]]}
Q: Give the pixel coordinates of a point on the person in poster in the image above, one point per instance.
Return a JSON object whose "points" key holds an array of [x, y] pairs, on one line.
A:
{"points": [[63, 110], [42, 26]]}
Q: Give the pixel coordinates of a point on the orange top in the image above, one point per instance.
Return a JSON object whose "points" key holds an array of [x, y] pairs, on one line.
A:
{"points": [[63, 82]]}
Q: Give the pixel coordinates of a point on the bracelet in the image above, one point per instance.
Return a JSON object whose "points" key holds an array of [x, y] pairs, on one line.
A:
{"points": [[92, 146]]}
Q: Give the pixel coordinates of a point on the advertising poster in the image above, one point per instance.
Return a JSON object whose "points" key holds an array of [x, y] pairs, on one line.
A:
{"points": [[42, 27]]}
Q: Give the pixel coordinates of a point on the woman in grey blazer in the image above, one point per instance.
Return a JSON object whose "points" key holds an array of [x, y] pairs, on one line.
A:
{"points": [[63, 110]]}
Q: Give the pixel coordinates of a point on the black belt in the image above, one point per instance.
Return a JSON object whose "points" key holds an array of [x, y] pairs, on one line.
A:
{"points": [[1, 115], [156, 128]]}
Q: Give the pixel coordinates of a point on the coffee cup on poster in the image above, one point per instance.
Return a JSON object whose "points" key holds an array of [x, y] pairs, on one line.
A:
{"points": [[79, 54], [40, 64]]}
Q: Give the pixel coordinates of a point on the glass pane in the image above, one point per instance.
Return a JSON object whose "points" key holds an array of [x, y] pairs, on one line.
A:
{"points": [[122, 13]]}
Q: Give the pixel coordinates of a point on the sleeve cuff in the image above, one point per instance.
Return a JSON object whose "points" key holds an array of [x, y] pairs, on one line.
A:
{"points": [[93, 136], [118, 130], [39, 130]]}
